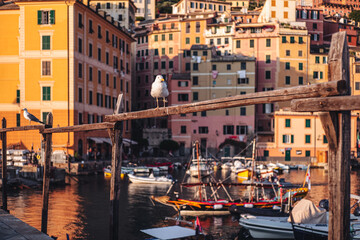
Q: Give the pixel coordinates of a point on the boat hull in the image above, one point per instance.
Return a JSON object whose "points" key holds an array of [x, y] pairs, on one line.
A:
{"points": [[149, 180], [308, 232]]}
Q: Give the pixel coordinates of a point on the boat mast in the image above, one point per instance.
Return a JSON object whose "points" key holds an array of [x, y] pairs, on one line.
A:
{"points": [[198, 161], [253, 168]]}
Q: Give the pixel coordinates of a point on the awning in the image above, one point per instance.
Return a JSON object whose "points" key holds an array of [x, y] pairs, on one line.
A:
{"points": [[99, 140]]}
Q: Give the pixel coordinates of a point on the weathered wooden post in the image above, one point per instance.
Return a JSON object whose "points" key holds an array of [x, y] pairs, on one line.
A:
{"points": [[46, 178], [4, 168], [337, 130], [116, 139]]}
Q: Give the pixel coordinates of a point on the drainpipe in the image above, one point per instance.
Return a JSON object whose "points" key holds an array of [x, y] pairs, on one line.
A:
{"points": [[68, 78]]}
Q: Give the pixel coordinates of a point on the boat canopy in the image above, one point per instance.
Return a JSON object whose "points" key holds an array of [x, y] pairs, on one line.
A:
{"points": [[172, 232], [305, 211]]}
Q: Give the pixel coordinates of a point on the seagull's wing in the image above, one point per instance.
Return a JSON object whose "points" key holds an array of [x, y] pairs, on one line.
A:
{"points": [[33, 118]]}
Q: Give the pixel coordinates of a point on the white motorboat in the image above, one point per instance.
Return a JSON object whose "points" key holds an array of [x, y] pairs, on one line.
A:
{"points": [[199, 166], [283, 166], [150, 179], [267, 227]]}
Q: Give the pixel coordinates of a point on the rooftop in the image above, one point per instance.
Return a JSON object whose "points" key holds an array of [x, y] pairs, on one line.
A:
{"points": [[9, 6]]}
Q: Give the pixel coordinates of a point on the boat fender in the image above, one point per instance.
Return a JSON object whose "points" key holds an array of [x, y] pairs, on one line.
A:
{"points": [[248, 205], [218, 206], [275, 207]]}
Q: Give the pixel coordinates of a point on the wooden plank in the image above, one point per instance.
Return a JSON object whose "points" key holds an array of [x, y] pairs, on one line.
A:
{"points": [[116, 161], [23, 128], [341, 103], [339, 158], [327, 122], [286, 94], [80, 128], [46, 179], [4, 168]]}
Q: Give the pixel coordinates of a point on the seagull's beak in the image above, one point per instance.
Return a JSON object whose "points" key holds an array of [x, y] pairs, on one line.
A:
{"points": [[162, 80]]}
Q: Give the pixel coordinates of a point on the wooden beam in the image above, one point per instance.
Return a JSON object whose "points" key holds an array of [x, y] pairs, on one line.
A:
{"points": [[46, 178], [327, 122], [286, 94], [116, 161], [4, 167], [23, 128], [339, 157], [80, 128], [341, 103]]}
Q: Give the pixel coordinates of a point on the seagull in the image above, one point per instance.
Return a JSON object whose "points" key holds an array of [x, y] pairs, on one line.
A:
{"points": [[159, 89], [31, 117]]}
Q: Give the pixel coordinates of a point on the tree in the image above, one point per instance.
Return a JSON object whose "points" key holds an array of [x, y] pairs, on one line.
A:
{"points": [[169, 145], [355, 15]]}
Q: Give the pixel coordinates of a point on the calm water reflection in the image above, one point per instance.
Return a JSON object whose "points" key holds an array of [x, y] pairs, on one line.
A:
{"points": [[81, 209]]}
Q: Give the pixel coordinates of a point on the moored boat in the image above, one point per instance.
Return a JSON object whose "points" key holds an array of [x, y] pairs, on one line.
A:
{"points": [[150, 179]]}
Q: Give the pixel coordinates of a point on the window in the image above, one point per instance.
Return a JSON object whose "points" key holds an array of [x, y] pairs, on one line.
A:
{"points": [[46, 68], [287, 123], [46, 17], [307, 153], [162, 51], [316, 75], [90, 50], [170, 37], [267, 74], [301, 80], [163, 65], [286, 15], [287, 65], [80, 118], [197, 40], [300, 66], [238, 43], [46, 93], [99, 76], [307, 123], [162, 37], [324, 60], [268, 59], [156, 38], [251, 43], [18, 96], [156, 52], [195, 96], [307, 138], [44, 116], [80, 45], [288, 138], [195, 66], [301, 40], [283, 39], [183, 97], [241, 130], [228, 66], [90, 97], [286, 4], [287, 80], [357, 85], [45, 43], [268, 42], [156, 65], [243, 66], [171, 64], [183, 129], [187, 66], [80, 21], [325, 139], [99, 54], [205, 53], [300, 53], [243, 80], [314, 26], [203, 113], [18, 119], [195, 80], [317, 59], [228, 129], [266, 153], [107, 79], [107, 58], [287, 52], [273, 14], [187, 40], [80, 95], [292, 39], [273, 3], [243, 111], [80, 70], [99, 32], [203, 130]]}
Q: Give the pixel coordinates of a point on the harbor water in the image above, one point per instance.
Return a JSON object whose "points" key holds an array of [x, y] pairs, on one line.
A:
{"points": [[81, 208]]}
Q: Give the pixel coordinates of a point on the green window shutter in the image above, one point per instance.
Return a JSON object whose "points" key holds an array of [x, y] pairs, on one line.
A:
{"points": [[325, 139], [39, 17], [18, 119], [307, 139], [44, 116], [287, 122], [292, 138], [18, 96], [52, 16], [45, 42], [307, 123], [266, 153], [321, 75], [46, 94], [284, 138]]}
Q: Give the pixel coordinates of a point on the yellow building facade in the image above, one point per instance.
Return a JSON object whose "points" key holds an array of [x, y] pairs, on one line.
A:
{"points": [[65, 58]]}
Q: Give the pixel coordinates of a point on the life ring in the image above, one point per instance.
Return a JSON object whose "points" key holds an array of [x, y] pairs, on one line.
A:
{"points": [[38, 157]]}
